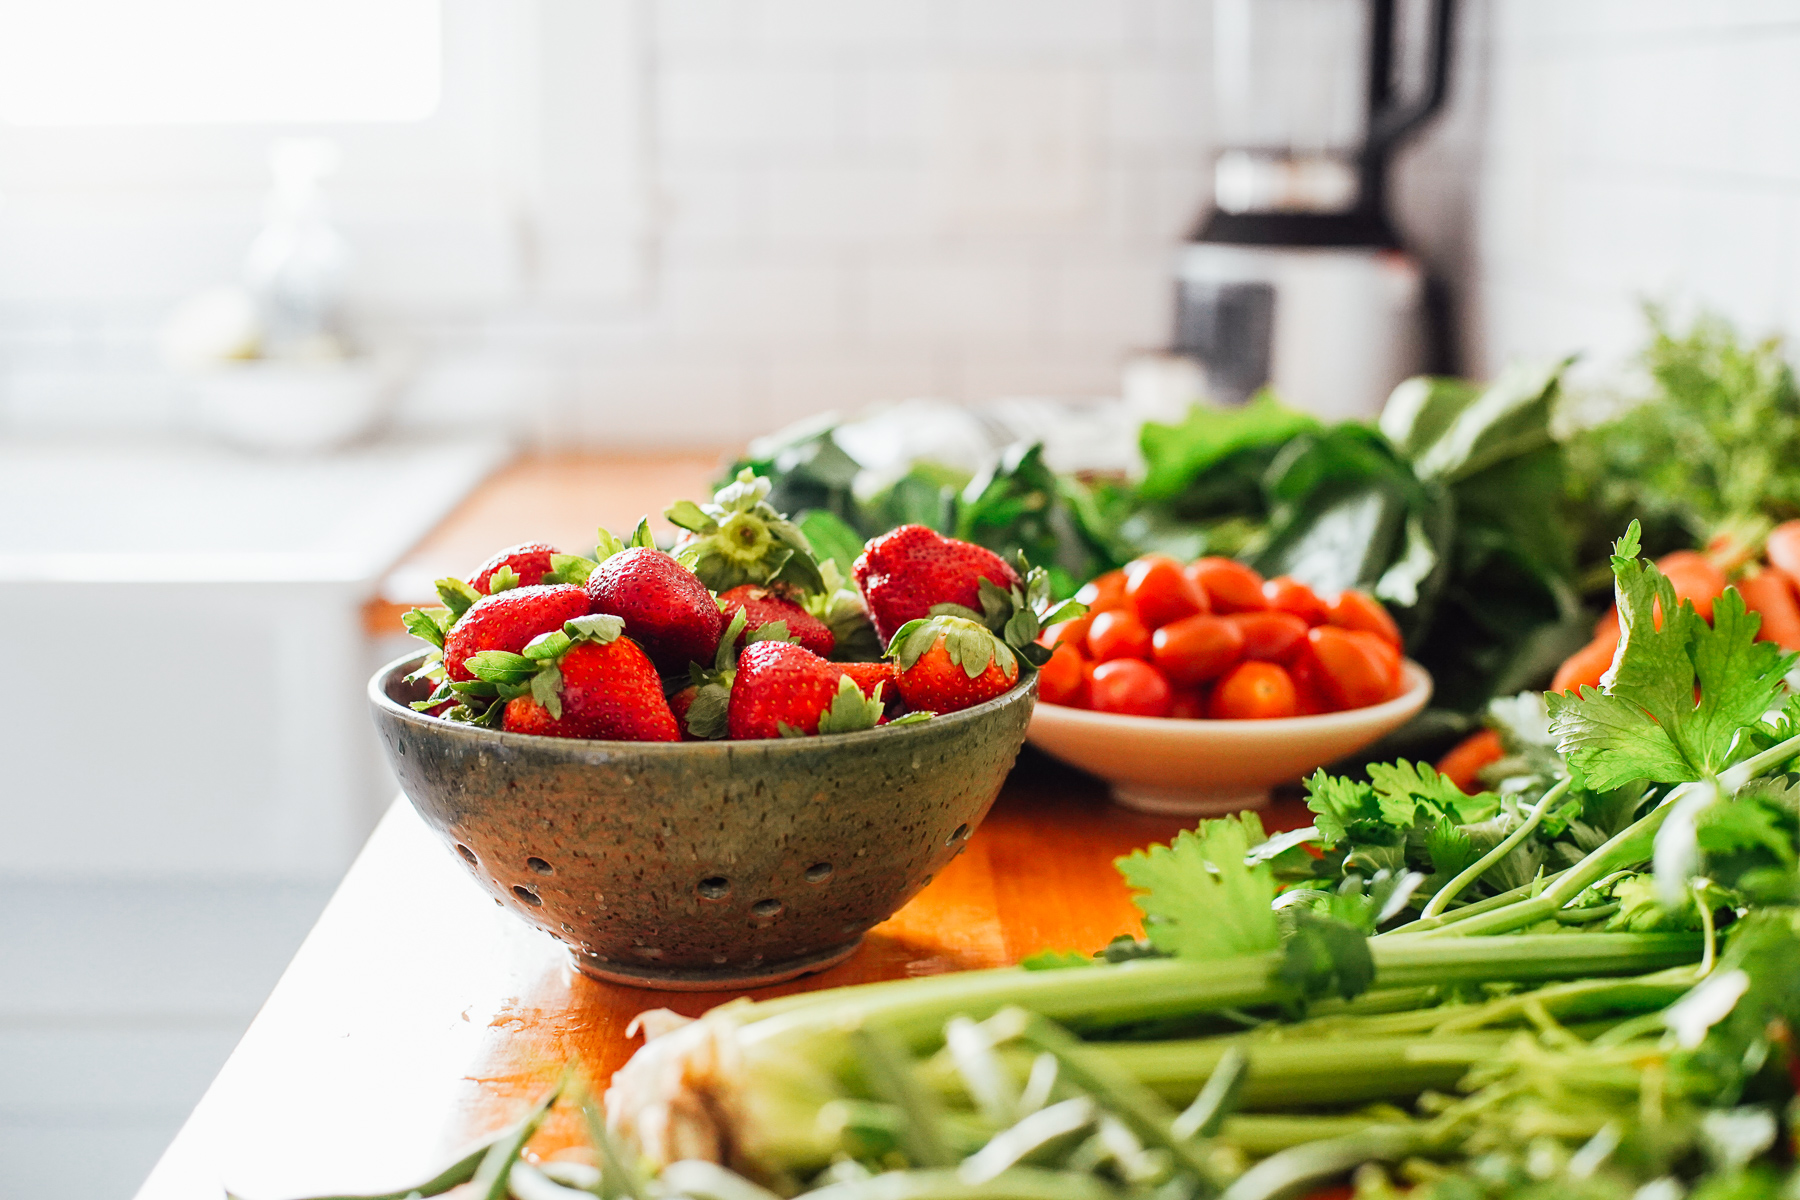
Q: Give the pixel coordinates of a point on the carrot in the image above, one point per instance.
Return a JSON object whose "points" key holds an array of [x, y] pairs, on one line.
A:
{"points": [[1462, 765], [1694, 578], [1691, 574], [1585, 667], [1771, 592], [1783, 547]]}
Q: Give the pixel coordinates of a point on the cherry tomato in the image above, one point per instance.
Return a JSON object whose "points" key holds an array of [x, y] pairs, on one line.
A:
{"points": [[1126, 685], [1286, 594], [1309, 694], [1189, 704], [1354, 609], [1117, 633], [1160, 592], [1062, 680], [1254, 691], [1270, 636], [1388, 655], [1229, 585], [1197, 648], [1074, 632], [1351, 673], [1104, 592]]}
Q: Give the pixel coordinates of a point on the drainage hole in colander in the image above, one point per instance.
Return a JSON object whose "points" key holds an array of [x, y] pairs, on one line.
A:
{"points": [[540, 866], [714, 887], [818, 873], [957, 835], [766, 908], [468, 854], [527, 895]]}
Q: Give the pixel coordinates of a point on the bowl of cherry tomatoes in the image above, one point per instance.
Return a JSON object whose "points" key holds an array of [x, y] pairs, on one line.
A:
{"points": [[1194, 688]]}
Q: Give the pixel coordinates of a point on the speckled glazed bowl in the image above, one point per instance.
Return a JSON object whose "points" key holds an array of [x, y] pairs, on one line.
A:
{"points": [[702, 865]]}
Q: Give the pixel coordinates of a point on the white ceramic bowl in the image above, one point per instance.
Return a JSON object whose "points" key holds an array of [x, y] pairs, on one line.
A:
{"points": [[1198, 768], [296, 408]]}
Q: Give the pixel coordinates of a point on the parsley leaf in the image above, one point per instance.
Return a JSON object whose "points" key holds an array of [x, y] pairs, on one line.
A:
{"points": [[1645, 721], [1199, 899], [1402, 788], [1340, 805]]}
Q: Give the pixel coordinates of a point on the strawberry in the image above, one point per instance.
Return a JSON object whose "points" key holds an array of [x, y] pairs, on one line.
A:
{"points": [[951, 663], [763, 608], [739, 538], [905, 572], [784, 690], [877, 681], [507, 621], [666, 609], [523, 565], [871, 675], [584, 680]]}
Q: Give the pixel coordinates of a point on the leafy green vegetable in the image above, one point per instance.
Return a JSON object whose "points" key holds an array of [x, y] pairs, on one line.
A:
{"points": [[1647, 722], [1199, 899], [1713, 441], [1176, 456]]}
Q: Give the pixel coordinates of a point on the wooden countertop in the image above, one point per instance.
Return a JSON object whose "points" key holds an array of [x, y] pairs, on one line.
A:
{"points": [[418, 1017]]}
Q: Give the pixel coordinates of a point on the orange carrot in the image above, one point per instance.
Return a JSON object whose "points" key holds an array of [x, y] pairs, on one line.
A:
{"points": [[1585, 667], [1462, 765], [1694, 578], [1783, 547], [1771, 593]]}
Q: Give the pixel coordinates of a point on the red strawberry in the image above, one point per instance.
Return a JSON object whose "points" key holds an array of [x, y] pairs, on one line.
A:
{"points": [[871, 675], [784, 690], [528, 562], [508, 620], [950, 663], [601, 686], [666, 609], [762, 607], [904, 572]]}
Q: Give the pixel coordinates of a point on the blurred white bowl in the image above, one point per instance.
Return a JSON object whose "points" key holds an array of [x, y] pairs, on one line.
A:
{"points": [[1199, 768], [296, 407]]}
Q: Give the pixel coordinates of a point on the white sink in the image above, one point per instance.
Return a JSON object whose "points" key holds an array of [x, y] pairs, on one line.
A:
{"points": [[190, 623]]}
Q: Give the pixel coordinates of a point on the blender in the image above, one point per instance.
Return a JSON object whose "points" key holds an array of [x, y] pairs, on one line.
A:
{"points": [[1296, 278]]}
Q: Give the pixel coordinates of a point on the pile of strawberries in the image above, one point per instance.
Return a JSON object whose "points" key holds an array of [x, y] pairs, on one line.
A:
{"points": [[736, 632], [1213, 639]]}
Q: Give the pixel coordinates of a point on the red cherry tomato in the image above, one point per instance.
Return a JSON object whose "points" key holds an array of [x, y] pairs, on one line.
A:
{"points": [[1270, 636], [1351, 673], [1286, 594], [1197, 648], [1063, 679], [1189, 704], [1354, 609], [1117, 633], [1389, 656], [1074, 632], [1230, 586], [1254, 691], [1103, 592], [1160, 592], [1126, 685], [1309, 693]]}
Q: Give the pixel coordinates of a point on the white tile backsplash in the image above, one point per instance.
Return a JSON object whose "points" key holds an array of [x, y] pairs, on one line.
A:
{"points": [[1635, 151]]}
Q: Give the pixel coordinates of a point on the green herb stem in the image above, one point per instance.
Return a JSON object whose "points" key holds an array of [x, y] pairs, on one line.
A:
{"points": [[1476, 869], [1094, 998]]}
